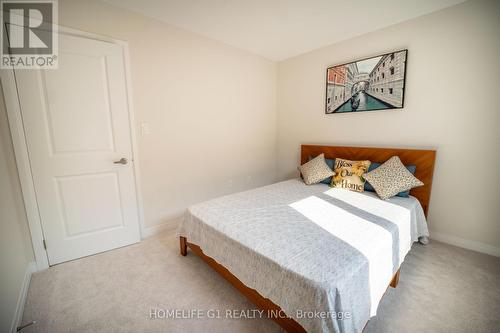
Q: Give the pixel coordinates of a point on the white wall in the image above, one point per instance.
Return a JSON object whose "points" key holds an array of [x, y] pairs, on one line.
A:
{"points": [[451, 104], [211, 109], [16, 252]]}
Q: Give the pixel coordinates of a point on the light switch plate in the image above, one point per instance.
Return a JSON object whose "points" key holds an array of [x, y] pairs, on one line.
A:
{"points": [[145, 129]]}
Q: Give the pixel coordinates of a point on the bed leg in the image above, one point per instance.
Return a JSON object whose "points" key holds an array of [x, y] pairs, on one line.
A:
{"points": [[395, 279], [183, 244]]}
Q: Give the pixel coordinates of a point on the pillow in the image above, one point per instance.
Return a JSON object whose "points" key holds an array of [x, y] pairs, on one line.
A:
{"points": [[315, 170], [391, 178], [330, 162], [374, 165], [349, 174]]}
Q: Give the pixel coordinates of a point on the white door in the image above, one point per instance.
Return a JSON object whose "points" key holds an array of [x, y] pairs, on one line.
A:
{"points": [[76, 123]]}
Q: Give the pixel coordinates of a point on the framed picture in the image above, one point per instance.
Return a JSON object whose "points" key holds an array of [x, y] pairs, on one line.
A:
{"points": [[376, 83]]}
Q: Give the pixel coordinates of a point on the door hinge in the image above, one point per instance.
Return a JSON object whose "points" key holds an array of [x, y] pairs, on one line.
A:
{"points": [[44, 245]]}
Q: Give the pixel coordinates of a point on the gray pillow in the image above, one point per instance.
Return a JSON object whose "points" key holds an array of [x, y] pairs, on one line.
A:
{"points": [[391, 178], [331, 164], [315, 170], [374, 165]]}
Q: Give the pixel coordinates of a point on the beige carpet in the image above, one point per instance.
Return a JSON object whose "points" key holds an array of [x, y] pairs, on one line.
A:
{"points": [[442, 289]]}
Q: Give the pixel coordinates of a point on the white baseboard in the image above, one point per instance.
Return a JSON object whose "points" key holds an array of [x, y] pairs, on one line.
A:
{"points": [[21, 300], [465, 243], [155, 229]]}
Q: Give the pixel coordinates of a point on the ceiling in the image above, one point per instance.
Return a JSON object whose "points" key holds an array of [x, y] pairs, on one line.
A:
{"points": [[279, 29]]}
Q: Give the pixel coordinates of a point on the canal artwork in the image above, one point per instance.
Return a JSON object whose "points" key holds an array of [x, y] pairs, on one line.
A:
{"points": [[375, 83]]}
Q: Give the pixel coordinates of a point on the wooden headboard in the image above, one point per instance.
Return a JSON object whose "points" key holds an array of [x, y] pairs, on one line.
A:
{"points": [[422, 159]]}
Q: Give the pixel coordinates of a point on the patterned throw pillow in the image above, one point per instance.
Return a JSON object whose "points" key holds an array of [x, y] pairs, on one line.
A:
{"points": [[391, 178], [349, 174], [412, 168], [315, 170], [331, 164]]}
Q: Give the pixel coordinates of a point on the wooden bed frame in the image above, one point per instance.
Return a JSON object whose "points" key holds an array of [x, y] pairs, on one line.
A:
{"points": [[424, 161]]}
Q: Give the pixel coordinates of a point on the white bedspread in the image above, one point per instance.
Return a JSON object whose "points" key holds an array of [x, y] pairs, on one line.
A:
{"points": [[310, 249]]}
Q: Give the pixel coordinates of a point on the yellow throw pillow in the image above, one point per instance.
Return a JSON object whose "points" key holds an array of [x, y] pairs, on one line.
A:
{"points": [[349, 174]]}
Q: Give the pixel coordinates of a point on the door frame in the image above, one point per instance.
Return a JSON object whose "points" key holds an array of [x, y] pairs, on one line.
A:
{"points": [[12, 104]]}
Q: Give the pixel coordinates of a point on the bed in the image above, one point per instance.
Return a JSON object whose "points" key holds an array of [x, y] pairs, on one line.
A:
{"points": [[278, 246]]}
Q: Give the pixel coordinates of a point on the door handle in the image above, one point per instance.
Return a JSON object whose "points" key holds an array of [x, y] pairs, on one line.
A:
{"points": [[122, 160]]}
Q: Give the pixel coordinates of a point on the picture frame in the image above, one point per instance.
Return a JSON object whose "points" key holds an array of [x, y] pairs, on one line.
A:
{"points": [[369, 84]]}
